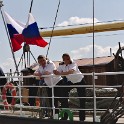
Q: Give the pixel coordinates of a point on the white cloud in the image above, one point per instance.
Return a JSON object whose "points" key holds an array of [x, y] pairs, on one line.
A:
{"points": [[87, 51], [76, 20], [9, 64]]}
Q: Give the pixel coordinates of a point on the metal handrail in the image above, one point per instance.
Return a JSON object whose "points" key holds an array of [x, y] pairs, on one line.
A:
{"points": [[20, 79]]}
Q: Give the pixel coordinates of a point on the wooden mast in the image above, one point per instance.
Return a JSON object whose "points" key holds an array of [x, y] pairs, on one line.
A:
{"points": [[85, 29]]}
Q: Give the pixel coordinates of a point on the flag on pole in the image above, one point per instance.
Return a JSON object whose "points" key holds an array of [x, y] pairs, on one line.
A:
{"points": [[20, 33], [30, 33], [14, 27]]}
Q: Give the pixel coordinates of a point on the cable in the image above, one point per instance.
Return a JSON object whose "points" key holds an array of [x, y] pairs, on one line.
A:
{"points": [[53, 28], [31, 6]]}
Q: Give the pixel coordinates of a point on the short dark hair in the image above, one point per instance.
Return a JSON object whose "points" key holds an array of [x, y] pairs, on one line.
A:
{"points": [[65, 54], [41, 57]]}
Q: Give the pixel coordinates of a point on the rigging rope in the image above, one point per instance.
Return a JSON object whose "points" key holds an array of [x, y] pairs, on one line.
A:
{"points": [[31, 6], [53, 28]]}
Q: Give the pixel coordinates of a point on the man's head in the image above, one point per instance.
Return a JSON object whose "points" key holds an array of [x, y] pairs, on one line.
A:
{"points": [[42, 60], [66, 58]]}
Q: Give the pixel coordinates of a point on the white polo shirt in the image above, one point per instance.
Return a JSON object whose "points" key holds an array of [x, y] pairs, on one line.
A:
{"points": [[71, 77], [50, 66]]}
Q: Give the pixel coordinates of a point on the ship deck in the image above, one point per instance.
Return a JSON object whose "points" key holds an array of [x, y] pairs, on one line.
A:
{"points": [[34, 115]]}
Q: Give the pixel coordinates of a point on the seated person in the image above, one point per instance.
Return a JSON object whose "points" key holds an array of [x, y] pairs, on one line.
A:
{"points": [[69, 68], [46, 67]]}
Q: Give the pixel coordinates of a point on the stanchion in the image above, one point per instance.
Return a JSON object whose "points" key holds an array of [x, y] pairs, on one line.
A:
{"points": [[53, 107], [94, 97], [20, 96]]}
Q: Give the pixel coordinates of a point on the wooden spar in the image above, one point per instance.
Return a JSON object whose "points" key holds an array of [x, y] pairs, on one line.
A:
{"points": [[85, 29]]}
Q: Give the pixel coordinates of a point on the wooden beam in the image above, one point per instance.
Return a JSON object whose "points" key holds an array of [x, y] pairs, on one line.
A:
{"points": [[85, 29]]}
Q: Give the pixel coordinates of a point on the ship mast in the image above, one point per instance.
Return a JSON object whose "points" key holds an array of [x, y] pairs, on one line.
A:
{"points": [[26, 49], [7, 32]]}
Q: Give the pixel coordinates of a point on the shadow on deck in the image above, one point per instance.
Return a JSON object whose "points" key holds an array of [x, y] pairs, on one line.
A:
{"points": [[21, 120]]}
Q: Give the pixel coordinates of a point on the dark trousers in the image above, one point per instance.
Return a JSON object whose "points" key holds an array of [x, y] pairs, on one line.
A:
{"points": [[33, 93], [57, 93], [81, 93]]}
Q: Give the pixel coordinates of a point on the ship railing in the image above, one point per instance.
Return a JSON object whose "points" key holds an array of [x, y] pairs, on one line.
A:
{"points": [[93, 86]]}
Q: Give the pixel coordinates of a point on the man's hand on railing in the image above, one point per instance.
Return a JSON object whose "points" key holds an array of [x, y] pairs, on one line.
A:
{"points": [[56, 72], [38, 74], [71, 71], [47, 73], [63, 73]]}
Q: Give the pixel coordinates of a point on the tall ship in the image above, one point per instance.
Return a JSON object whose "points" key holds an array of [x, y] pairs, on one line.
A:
{"points": [[93, 88]]}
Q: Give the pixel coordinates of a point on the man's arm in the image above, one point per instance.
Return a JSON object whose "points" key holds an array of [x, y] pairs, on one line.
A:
{"points": [[50, 69], [37, 72], [63, 73], [72, 69]]}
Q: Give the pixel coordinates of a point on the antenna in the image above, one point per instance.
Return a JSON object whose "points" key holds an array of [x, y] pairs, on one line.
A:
{"points": [[119, 45], [120, 48], [110, 51]]}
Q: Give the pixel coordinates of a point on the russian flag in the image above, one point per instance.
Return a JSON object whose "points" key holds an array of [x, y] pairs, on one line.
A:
{"points": [[14, 27], [30, 33]]}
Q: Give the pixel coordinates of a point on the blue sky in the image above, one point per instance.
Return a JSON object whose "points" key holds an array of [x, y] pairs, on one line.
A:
{"points": [[78, 46]]}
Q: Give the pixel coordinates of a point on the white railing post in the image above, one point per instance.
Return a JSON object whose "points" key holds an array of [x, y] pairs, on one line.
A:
{"points": [[94, 97], [53, 107], [9, 77], [20, 96]]}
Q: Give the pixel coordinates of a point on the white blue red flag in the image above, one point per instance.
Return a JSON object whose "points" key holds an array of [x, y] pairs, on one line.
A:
{"points": [[14, 28], [30, 34], [20, 33]]}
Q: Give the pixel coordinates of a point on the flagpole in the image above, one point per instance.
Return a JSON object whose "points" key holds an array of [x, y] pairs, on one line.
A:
{"points": [[1, 5], [27, 60]]}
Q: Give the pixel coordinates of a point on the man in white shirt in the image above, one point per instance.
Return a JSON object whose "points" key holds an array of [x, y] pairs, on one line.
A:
{"points": [[69, 68], [46, 67]]}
